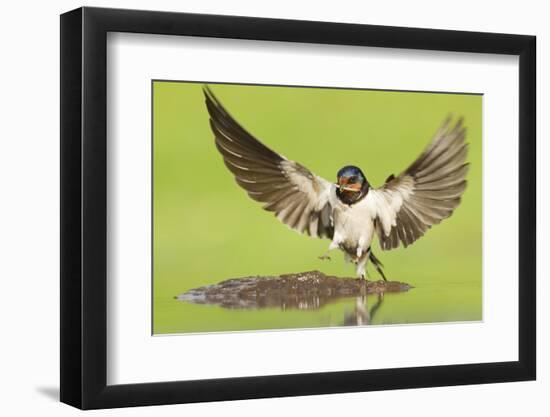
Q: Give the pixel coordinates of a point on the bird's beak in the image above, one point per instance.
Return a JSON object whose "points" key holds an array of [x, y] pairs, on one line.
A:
{"points": [[343, 187], [341, 184]]}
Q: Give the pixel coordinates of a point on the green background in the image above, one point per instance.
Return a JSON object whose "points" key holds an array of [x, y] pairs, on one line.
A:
{"points": [[206, 229]]}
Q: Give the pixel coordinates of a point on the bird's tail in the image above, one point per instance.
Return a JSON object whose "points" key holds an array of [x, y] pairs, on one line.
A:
{"points": [[377, 264]]}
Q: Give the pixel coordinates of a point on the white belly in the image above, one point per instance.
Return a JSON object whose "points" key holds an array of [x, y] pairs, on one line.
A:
{"points": [[353, 228]]}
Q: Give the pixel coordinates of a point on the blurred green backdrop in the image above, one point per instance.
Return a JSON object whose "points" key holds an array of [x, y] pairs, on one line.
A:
{"points": [[206, 229]]}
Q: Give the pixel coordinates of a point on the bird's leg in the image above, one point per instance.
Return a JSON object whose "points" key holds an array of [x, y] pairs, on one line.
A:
{"points": [[362, 259], [325, 256], [362, 268]]}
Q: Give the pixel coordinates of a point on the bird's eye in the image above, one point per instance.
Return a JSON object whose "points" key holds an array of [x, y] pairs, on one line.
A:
{"points": [[352, 179]]}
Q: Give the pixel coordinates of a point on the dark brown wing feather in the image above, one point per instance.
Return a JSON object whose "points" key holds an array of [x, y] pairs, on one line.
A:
{"points": [[298, 198], [427, 192]]}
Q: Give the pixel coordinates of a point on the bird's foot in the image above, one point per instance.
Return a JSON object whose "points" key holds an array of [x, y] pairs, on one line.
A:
{"points": [[324, 257]]}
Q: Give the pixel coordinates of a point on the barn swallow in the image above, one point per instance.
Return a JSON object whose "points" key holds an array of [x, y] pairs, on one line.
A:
{"points": [[349, 212]]}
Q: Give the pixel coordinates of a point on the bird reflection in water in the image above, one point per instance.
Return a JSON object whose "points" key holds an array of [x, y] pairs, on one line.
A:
{"points": [[361, 315]]}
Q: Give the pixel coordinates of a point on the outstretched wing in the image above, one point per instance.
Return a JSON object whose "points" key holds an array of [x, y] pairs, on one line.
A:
{"points": [[427, 192], [299, 198]]}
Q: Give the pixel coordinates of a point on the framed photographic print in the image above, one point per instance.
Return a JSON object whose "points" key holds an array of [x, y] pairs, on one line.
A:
{"points": [[258, 207]]}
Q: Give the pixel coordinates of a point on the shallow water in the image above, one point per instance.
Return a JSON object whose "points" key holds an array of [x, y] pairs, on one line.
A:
{"points": [[425, 304]]}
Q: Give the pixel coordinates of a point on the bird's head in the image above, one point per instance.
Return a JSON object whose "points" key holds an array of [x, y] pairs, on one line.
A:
{"points": [[352, 184]]}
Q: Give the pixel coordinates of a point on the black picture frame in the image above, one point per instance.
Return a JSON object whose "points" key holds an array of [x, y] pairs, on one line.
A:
{"points": [[84, 207]]}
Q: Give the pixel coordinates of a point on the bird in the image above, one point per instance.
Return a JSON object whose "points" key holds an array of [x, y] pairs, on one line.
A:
{"points": [[349, 212]]}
